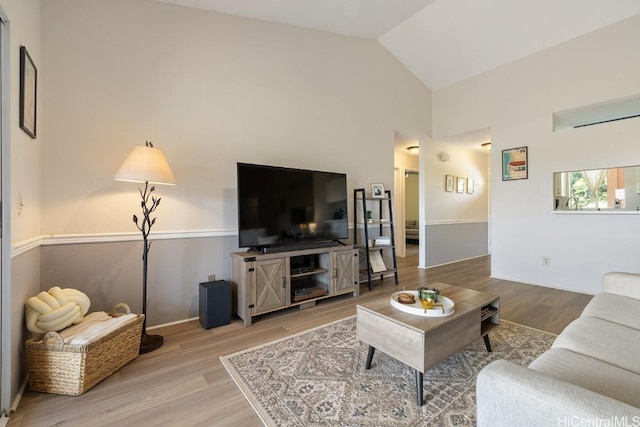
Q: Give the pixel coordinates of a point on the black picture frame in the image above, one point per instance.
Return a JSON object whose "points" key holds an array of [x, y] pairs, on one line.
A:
{"points": [[28, 93]]}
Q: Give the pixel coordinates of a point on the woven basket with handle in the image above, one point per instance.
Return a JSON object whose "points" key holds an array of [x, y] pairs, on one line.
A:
{"points": [[72, 369]]}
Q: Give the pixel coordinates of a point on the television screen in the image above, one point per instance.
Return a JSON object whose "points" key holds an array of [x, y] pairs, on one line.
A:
{"points": [[282, 206]]}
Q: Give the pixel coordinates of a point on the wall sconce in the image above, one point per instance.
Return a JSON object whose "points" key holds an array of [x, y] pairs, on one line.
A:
{"points": [[414, 150], [486, 146], [444, 157]]}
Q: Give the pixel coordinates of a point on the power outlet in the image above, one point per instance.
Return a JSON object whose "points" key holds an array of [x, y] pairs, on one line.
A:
{"points": [[546, 261], [211, 277]]}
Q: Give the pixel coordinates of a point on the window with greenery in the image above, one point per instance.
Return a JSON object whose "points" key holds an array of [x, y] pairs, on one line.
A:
{"points": [[589, 188]]}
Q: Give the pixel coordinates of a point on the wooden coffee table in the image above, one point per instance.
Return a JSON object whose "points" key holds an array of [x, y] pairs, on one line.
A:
{"points": [[424, 342]]}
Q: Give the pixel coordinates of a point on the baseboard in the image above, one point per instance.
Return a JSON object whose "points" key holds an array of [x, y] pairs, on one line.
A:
{"points": [[454, 261], [544, 285], [177, 322], [4, 419]]}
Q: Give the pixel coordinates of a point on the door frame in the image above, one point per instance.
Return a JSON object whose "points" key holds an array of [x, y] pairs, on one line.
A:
{"points": [[5, 212]]}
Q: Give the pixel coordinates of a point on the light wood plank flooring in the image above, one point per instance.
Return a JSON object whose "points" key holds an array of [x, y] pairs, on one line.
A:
{"points": [[184, 383]]}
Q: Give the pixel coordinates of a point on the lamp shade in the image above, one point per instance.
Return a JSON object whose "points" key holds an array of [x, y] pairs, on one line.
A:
{"points": [[146, 164]]}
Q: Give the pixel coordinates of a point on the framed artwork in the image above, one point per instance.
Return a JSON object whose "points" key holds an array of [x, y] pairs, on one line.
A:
{"points": [[470, 185], [515, 164], [448, 183], [28, 85], [377, 191], [460, 182]]}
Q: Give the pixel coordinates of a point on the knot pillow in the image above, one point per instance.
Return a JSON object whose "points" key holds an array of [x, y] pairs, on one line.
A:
{"points": [[55, 309]]}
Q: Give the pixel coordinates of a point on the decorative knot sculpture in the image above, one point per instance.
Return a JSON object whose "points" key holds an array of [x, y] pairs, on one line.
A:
{"points": [[56, 309]]}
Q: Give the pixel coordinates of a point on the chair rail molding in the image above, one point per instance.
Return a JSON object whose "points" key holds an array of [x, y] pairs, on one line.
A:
{"points": [[26, 245]]}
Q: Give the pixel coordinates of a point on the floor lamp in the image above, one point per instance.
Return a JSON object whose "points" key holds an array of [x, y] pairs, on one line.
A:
{"points": [[146, 165]]}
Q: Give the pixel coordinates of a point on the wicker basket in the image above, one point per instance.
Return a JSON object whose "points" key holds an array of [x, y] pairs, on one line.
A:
{"points": [[72, 369]]}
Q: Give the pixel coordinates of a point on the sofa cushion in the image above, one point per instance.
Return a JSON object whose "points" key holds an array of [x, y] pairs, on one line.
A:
{"points": [[615, 308], [602, 340], [627, 284], [590, 373]]}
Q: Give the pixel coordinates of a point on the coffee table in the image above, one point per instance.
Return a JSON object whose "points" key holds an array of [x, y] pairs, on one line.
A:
{"points": [[424, 342]]}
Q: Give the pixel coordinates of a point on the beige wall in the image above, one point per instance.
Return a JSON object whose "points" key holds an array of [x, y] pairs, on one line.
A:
{"points": [[210, 90], [517, 101]]}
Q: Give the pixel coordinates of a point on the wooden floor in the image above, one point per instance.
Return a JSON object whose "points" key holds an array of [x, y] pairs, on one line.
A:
{"points": [[184, 383]]}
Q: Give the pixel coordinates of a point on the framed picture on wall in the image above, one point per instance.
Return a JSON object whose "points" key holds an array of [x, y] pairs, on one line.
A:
{"points": [[460, 183], [28, 85], [448, 183], [515, 164], [470, 185]]}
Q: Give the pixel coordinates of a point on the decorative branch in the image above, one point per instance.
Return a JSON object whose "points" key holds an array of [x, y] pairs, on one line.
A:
{"points": [[147, 222]]}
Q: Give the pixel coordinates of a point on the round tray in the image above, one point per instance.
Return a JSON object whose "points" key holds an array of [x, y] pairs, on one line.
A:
{"points": [[416, 308]]}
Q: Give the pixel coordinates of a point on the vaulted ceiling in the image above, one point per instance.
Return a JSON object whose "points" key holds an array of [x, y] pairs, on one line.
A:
{"points": [[441, 41]]}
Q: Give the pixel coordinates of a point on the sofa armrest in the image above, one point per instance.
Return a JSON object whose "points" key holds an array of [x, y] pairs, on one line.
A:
{"points": [[625, 284], [512, 395]]}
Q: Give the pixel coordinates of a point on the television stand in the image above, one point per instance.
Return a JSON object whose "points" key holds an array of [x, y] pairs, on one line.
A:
{"points": [[266, 282]]}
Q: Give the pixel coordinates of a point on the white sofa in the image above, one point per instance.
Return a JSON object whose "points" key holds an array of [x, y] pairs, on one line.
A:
{"points": [[590, 376]]}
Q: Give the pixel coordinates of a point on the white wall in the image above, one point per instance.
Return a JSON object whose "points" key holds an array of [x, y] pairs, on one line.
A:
{"points": [[25, 178], [456, 224], [517, 102], [444, 206], [26, 164]]}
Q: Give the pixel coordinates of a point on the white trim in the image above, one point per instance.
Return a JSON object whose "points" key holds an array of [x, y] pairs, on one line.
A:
{"points": [[453, 262], [18, 248], [454, 222], [23, 246], [177, 322], [543, 285], [7, 364], [21, 390]]}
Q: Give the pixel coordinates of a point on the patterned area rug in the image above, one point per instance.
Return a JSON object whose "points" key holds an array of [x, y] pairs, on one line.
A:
{"points": [[318, 378]]}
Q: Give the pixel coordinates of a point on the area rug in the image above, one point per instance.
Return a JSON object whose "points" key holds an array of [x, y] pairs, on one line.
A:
{"points": [[318, 378]]}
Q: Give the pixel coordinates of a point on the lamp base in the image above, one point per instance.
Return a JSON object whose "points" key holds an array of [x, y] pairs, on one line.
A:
{"points": [[148, 343]]}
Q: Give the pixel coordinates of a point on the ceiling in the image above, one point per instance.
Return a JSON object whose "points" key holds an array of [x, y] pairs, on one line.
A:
{"points": [[440, 41]]}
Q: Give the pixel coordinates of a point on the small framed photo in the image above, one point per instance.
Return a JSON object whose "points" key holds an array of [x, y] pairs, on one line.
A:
{"points": [[470, 185], [28, 85], [377, 191], [460, 182], [448, 183], [515, 164]]}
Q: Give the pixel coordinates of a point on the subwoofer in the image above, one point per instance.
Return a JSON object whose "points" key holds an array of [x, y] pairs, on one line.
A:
{"points": [[215, 303]]}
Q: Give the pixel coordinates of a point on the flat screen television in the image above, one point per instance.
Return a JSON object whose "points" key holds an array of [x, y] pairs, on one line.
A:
{"points": [[283, 208]]}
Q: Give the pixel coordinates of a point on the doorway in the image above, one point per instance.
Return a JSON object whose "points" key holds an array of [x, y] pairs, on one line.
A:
{"points": [[412, 212], [406, 165]]}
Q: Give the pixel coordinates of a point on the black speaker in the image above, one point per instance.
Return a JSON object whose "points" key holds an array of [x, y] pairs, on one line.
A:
{"points": [[215, 303]]}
